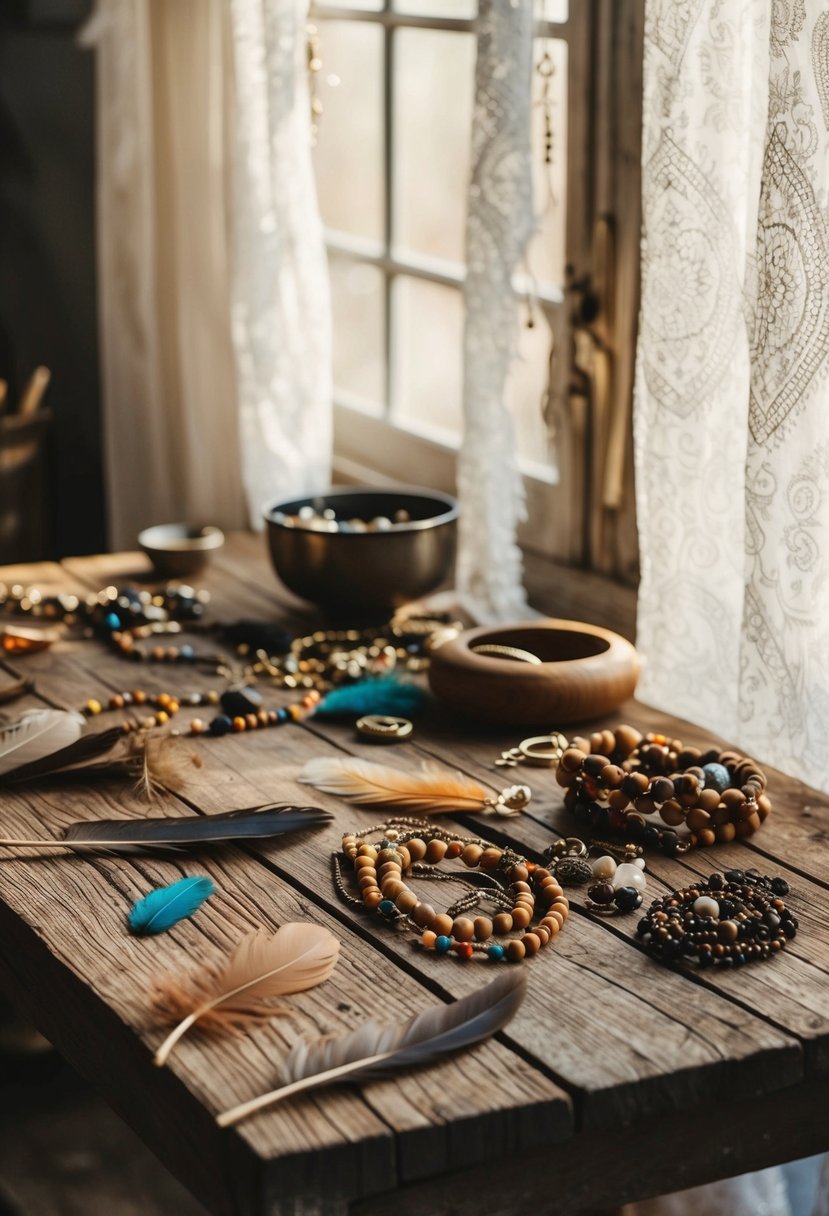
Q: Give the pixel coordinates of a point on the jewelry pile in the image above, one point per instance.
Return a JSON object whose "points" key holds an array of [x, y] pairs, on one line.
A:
{"points": [[511, 885]]}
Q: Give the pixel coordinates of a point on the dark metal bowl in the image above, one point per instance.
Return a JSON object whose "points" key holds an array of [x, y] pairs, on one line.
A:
{"points": [[180, 550], [365, 573]]}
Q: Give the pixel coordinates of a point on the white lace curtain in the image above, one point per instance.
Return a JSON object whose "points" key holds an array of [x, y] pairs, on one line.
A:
{"points": [[215, 319], [732, 405]]}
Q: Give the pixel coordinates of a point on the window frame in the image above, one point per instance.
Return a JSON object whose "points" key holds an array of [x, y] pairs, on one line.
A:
{"points": [[379, 449]]}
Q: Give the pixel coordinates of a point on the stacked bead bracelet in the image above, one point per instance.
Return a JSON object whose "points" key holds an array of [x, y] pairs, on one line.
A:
{"points": [[618, 780], [512, 885], [727, 920], [242, 710]]}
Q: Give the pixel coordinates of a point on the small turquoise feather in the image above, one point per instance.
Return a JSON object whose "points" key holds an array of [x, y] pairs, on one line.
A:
{"points": [[376, 695], [166, 906]]}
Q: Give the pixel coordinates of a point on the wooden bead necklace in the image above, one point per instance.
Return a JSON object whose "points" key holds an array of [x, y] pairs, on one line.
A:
{"points": [[241, 710], [618, 780], [413, 848], [727, 920]]}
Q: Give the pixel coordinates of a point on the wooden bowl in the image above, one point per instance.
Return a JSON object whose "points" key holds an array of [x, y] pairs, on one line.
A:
{"points": [[584, 672]]}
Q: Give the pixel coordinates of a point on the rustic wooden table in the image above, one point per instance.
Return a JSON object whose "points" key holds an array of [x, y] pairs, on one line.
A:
{"points": [[617, 1080]]}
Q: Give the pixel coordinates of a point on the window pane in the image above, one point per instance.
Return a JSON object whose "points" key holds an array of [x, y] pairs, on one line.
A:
{"points": [[526, 389], [427, 327], [349, 153], [433, 90], [554, 10], [439, 8], [357, 298]]}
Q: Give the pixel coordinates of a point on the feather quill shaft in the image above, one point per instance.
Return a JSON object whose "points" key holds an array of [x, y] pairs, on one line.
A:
{"points": [[371, 1052], [433, 789], [295, 958], [169, 834], [70, 758], [166, 906]]}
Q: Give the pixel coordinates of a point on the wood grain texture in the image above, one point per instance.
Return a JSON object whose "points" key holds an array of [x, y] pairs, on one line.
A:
{"points": [[636, 1050]]}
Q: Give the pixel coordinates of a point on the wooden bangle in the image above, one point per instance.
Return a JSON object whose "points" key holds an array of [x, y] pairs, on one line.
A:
{"points": [[648, 786], [583, 672]]}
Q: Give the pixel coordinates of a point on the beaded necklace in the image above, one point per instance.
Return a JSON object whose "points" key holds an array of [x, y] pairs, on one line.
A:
{"points": [[502, 878]]}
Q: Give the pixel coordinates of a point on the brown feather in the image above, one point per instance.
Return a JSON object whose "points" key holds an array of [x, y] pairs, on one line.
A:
{"points": [[433, 789], [235, 995]]}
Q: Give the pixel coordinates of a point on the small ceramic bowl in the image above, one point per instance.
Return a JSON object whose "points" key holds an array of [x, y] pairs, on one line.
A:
{"points": [[180, 550], [365, 574]]}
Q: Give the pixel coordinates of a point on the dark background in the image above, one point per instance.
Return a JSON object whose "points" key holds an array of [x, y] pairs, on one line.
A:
{"points": [[47, 268]]}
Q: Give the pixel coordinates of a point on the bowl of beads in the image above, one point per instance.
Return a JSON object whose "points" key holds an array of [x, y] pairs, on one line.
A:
{"points": [[180, 550], [360, 551]]}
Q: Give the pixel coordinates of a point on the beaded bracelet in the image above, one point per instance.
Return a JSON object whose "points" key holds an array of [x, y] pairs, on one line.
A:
{"points": [[240, 710], [727, 920], [616, 780], [407, 843]]}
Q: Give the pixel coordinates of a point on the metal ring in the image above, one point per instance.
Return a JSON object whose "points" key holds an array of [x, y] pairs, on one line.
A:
{"points": [[506, 652], [543, 751], [384, 729]]}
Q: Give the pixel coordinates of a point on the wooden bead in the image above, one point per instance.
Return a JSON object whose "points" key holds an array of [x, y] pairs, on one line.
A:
{"points": [[367, 879], [627, 739], [429, 938], [435, 851], [521, 917], [406, 901], [531, 943], [471, 854], [463, 929], [519, 873], [726, 832], [454, 848], [571, 760], [360, 863], [391, 887], [367, 850], [618, 800], [543, 933], [490, 859], [552, 924], [371, 898], [417, 848], [405, 857], [442, 924], [697, 819], [612, 776], [515, 951], [672, 813], [424, 915], [483, 928], [502, 922], [706, 838], [523, 887]]}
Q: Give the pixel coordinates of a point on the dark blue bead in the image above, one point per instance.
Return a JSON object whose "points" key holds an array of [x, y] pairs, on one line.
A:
{"points": [[282, 715], [386, 907], [717, 777], [627, 898], [220, 725]]}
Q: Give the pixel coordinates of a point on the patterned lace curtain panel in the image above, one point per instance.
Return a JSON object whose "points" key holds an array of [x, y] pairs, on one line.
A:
{"points": [[732, 404], [214, 307]]}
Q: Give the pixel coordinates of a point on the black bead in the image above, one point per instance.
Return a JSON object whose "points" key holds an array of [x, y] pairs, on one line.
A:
{"points": [[627, 898], [716, 882], [241, 699], [650, 835], [735, 876], [779, 886], [220, 725], [669, 841]]}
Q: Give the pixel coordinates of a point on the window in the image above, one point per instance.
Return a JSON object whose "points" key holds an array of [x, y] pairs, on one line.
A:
{"points": [[392, 163]]}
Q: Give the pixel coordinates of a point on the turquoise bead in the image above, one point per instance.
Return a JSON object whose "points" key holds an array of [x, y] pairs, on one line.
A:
{"points": [[386, 906], [442, 944], [496, 953], [717, 777]]}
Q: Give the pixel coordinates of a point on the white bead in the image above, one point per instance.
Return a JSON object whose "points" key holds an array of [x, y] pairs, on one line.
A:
{"points": [[706, 906], [640, 862], [603, 868], [629, 875]]}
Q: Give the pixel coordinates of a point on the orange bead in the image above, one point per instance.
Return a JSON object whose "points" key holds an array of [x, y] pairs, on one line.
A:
{"points": [[239, 724], [428, 939], [532, 943]]}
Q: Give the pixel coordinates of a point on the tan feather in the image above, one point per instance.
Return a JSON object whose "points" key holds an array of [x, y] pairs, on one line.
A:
{"points": [[234, 995], [433, 789], [372, 1052]]}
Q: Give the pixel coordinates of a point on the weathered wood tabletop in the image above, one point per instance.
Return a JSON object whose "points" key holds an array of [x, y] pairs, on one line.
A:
{"points": [[618, 1078]]}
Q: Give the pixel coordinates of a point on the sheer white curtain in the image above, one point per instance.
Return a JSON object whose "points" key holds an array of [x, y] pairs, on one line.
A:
{"points": [[499, 223], [214, 309], [732, 408]]}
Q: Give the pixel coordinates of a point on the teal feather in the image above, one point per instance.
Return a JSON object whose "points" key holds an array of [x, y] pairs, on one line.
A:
{"points": [[166, 906], [386, 695]]}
